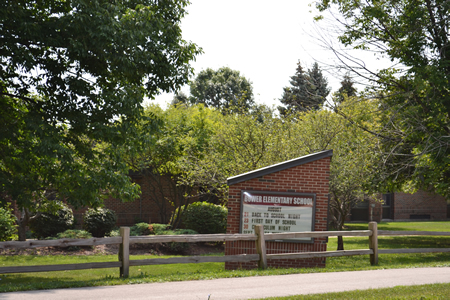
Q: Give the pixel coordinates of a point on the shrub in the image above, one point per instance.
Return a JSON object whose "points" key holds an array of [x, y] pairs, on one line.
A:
{"points": [[148, 229], [74, 234], [99, 222], [8, 227], [52, 218], [115, 232], [205, 217], [159, 229], [175, 246], [141, 229]]}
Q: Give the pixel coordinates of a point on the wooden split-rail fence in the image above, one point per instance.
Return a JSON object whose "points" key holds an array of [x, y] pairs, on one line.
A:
{"points": [[124, 240]]}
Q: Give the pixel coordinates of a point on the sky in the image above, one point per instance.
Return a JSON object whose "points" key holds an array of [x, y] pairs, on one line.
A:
{"points": [[262, 39]]}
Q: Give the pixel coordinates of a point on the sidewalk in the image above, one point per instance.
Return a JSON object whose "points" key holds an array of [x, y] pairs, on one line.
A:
{"points": [[248, 287]]}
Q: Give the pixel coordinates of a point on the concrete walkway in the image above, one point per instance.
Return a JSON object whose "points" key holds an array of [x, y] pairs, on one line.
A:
{"points": [[248, 287]]}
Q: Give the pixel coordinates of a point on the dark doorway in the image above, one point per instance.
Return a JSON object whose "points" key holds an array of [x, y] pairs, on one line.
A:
{"points": [[387, 205]]}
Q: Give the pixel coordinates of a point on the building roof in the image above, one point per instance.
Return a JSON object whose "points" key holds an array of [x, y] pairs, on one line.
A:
{"points": [[279, 167]]}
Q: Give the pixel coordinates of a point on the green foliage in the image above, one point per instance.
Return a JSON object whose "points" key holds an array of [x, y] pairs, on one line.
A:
{"points": [[50, 219], [141, 229], [69, 91], [422, 292], [245, 142], [205, 218], [308, 91], [414, 91], [74, 234], [177, 247], [346, 90], [354, 159], [149, 229], [166, 152], [159, 229], [8, 230], [223, 89], [99, 222]]}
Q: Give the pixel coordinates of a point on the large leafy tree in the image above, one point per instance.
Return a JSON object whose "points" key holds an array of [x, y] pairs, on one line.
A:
{"points": [[73, 75], [354, 159], [222, 89], [170, 154], [308, 90], [247, 143], [415, 93]]}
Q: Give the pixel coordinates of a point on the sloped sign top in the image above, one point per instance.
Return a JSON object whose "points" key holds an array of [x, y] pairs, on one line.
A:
{"points": [[279, 167]]}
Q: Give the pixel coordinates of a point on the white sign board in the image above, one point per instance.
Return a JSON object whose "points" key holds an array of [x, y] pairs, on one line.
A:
{"points": [[277, 212]]}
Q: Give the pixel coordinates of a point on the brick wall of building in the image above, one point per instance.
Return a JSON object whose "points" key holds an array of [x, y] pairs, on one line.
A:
{"points": [[143, 209], [312, 177], [419, 205]]}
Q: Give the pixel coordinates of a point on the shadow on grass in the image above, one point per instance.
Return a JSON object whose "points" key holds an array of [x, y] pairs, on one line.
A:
{"points": [[398, 242], [403, 226], [380, 226]]}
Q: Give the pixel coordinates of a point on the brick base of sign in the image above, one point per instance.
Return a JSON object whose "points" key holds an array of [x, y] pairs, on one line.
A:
{"points": [[247, 247], [312, 177]]}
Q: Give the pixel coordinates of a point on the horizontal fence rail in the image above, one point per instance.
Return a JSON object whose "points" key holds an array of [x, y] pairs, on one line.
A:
{"points": [[319, 254], [61, 243], [259, 237], [192, 238], [66, 267], [411, 233], [313, 234], [195, 259]]}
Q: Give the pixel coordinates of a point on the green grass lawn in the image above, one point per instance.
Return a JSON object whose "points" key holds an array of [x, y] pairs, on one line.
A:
{"points": [[406, 226], [423, 292], [160, 273]]}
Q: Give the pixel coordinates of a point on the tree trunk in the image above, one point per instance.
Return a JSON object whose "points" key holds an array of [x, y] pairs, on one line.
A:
{"points": [[22, 225], [22, 229], [340, 245]]}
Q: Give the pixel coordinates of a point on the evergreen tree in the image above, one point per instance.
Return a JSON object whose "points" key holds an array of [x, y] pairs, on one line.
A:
{"points": [[318, 88], [308, 90], [346, 89], [180, 98]]}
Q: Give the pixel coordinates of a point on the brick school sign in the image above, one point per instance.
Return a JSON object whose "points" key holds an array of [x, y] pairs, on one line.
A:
{"points": [[291, 196], [277, 212]]}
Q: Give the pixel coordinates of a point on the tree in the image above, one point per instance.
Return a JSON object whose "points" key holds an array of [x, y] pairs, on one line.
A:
{"points": [[247, 143], [308, 90], [354, 160], [222, 89], [171, 147], [346, 89], [69, 91], [180, 98], [414, 93]]}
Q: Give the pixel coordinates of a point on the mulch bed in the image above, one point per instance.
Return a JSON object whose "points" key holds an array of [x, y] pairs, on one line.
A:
{"points": [[136, 249]]}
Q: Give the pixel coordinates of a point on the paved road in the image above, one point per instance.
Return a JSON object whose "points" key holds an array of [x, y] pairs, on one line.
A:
{"points": [[248, 287]]}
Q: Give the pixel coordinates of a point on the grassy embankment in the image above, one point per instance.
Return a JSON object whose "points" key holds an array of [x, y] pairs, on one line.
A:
{"points": [[160, 273]]}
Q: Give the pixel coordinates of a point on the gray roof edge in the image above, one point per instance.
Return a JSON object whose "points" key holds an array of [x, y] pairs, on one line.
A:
{"points": [[279, 167]]}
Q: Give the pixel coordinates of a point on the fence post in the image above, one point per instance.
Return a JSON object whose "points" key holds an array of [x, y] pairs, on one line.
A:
{"points": [[124, 252], [261, 246], [373, 243]]}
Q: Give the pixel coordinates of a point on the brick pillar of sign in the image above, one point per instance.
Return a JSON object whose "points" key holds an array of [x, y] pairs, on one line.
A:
{"points": [[311, 177]]}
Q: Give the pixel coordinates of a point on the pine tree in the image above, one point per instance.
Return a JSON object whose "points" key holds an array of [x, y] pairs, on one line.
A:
{"points": [[345, 89], [308, 90], [317, 87]]}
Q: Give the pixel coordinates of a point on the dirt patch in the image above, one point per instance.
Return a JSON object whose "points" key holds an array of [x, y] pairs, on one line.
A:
{"points": [[136, 249]]}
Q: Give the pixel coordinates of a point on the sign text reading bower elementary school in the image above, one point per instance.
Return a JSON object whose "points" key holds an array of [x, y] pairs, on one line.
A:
{"points": [[277, 212]]}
